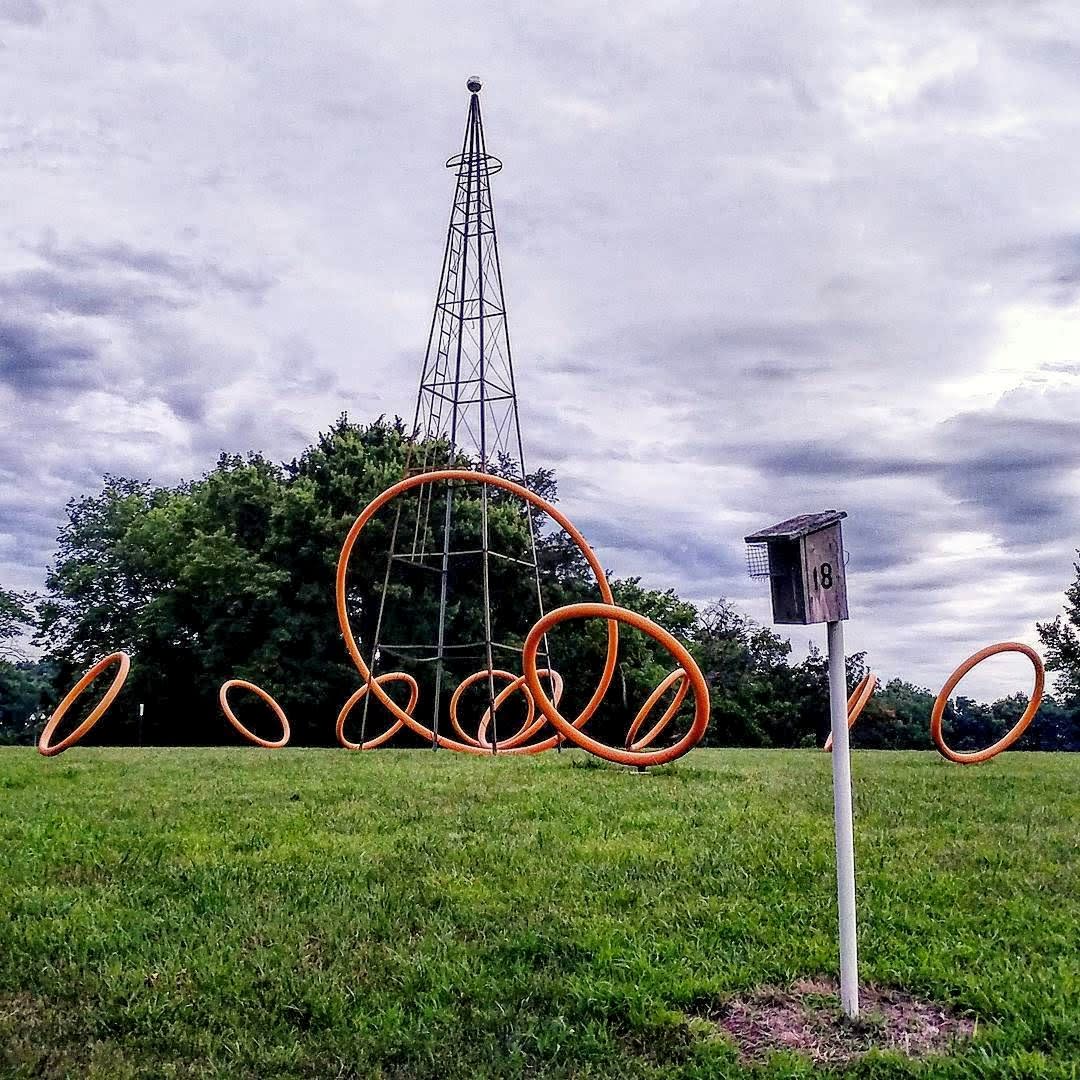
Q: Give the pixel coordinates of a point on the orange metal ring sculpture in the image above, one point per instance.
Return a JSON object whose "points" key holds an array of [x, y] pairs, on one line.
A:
{"points": [[470, 476], [570, 731], [98, 712], [975, 756], [370, 744], [259, 692], [862, 693]]}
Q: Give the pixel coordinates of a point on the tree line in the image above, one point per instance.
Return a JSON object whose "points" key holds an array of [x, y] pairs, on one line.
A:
{"points": [[231, 575]]}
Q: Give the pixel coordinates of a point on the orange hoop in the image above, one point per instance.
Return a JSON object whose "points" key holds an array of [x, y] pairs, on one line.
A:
{"points": [[370, 744], [99, 710], [976, 756], [258, 691], [570, 731], [446, 475], [530, 727], [856, 703], [471, 680], [650, 704]]}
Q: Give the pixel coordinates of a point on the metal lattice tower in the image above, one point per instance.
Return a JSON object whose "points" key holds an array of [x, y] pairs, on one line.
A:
{"points": [[466, 417]]}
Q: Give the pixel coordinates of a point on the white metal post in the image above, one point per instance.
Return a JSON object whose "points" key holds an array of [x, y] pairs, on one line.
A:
{"points": [[845, 837]]}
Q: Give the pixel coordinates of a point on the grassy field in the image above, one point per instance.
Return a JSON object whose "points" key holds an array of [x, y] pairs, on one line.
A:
{"points": [[243, 913]]}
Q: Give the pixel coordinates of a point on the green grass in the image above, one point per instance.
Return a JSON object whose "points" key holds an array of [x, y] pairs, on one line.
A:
{"points": [[243, 913]]}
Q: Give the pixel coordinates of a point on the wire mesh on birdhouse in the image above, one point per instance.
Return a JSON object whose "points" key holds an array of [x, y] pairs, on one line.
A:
{"points": [[757, 560]]}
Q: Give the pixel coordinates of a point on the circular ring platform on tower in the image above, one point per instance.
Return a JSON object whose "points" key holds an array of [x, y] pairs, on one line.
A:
{"points": [[474, 84], [489, 164]]}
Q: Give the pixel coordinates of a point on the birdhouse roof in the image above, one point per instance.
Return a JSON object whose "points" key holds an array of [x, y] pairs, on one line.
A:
{"points": [[797, 527]]}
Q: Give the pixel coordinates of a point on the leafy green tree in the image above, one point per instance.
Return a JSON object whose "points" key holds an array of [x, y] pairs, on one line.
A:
{"points": [[26, 696], [911, 707], [25, 688], [1055, 726], [756, 698], [1061, 639], [16, 618], [968, 725], [810, 719], [897, 717]]}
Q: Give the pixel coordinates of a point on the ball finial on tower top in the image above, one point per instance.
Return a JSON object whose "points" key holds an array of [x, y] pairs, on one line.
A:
{"points": [[474, 84]]}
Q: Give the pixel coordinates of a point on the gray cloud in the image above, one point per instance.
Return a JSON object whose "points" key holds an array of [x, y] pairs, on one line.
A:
{"points": [[673, 549], [822, 459], [1019, 474], [191, 276], [22, 12], [35, 360], [51, 292]]}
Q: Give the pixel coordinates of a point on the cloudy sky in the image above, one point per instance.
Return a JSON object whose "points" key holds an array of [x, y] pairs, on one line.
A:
{"points": [[760, 259]]}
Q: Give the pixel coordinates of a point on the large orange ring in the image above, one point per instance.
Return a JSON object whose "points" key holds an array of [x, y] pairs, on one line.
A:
{"points": [[975, 756], [99, 710], [258, 691], [657, 633], [370, 744], [446, 475], [862, 693]]}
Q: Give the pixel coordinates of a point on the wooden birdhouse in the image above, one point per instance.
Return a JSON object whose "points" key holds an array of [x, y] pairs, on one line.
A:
{"points": [[803, 558]]}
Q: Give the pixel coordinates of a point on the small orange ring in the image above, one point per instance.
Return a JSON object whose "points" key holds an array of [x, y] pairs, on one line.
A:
{"points": [[258, 691], [574, 734], [394, 728], [471, 680], [531, 726], [976, 756], [862, 693], [99, 709], [650, 704]]}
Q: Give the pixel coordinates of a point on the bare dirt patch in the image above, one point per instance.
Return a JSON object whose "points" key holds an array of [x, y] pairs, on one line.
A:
{"points": [[806, 1018]]}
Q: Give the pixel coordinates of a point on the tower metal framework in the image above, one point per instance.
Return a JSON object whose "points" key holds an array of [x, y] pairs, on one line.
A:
{"points": [[466, 417]]}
